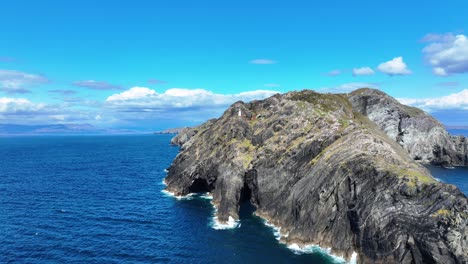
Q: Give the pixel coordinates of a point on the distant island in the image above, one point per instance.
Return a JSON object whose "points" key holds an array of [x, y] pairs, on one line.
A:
{"points": [[341, 171]]}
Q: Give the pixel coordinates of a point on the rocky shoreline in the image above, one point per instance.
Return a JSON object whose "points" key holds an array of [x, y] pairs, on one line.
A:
{"points": [[339, 171]]}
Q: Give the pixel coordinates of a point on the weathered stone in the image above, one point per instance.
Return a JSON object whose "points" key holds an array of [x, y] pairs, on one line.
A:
{"points": [[425, 138]]}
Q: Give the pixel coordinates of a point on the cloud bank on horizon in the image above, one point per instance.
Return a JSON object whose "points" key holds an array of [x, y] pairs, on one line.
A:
{"points": [[133, 105], [456, 101]]}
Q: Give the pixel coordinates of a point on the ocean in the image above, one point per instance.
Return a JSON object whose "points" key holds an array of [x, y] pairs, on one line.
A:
{"points": [[99, 199]]}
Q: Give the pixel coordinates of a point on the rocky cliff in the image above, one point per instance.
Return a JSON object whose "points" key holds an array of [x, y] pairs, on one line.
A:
{"points": [[419, 133], [319, 168]]}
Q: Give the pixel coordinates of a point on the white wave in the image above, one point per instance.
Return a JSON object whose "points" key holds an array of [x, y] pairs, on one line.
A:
{"points": [[178, 197], [308, 249], [438, 179], [206, 196], [276, 230], [230, 224], [353, 259], [165, 170]]}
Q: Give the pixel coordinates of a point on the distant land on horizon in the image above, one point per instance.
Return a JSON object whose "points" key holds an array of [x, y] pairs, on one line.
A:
{"points": [[175, 130], [60, 129]]}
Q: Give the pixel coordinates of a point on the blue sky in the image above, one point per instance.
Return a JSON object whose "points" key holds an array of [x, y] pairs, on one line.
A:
{"points": [[149, 65]]}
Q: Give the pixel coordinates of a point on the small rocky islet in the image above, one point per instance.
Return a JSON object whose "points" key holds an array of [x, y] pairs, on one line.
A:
{"points": [[342, 171]]}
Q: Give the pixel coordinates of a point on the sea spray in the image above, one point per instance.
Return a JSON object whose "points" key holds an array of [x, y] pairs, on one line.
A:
{"points": [[233, 223], [216, 224], [230, 224], [305, 249], [276, 229], [178, 197]]}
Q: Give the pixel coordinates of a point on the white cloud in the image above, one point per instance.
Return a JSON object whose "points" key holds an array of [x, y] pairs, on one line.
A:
{"points": [[262, 61], [17, 82], [149, 100], [272, 85], [439, 71], [133, 93], [26, 112], [15, 105], [97, 85], [333, 73], [447, 54], [185, 106], [452, 101], [348, 87], [396, 66], [156, 81], [432, 37], [363, 71]]}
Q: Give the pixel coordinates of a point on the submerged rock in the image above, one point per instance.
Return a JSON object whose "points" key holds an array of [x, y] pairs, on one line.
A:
{"points": [[316, 166]]}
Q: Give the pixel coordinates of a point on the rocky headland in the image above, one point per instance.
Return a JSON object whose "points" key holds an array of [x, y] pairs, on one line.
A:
{"points": [[341, 171], [175, 130], [425, 138]]}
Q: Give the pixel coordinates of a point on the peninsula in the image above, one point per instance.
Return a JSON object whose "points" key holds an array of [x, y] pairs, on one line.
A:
{"points": [[342, 171]]}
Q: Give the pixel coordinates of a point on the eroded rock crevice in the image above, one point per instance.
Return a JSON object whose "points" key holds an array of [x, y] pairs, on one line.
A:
{"points": [[200, 186]]}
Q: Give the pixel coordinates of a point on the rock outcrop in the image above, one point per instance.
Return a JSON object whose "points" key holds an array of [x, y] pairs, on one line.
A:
{"points": [[425, 138], [319, 168], [186, 133]]}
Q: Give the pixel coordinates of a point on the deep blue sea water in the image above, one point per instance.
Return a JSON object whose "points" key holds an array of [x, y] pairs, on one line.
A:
{"points": [[98, 199]]}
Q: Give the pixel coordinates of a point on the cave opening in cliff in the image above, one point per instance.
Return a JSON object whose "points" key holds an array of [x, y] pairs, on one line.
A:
{"points": [[200, 186], [246, 208], [246, 193]]}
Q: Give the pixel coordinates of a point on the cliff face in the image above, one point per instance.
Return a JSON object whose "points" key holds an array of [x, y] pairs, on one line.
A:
{"points": [[327, 175], [419, 133]]}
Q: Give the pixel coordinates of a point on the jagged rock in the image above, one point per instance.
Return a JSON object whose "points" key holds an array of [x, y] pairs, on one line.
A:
{"points": [[461, 145], [425, 138], [316, 166], [186, 133]]}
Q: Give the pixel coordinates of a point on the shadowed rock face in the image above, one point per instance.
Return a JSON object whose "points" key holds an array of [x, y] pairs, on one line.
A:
{"points": [[316, 166], [419, 133]]}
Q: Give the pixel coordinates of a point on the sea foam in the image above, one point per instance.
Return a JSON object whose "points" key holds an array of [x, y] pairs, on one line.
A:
{"points": [[307, 249], [206, 196], [230, 224], [178, 197], [353, 259], [276, 230]]}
